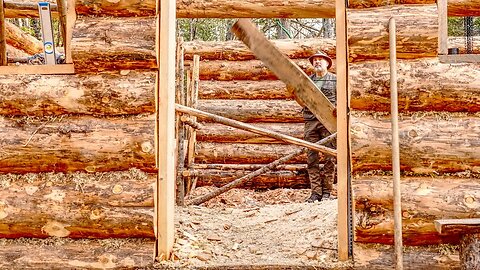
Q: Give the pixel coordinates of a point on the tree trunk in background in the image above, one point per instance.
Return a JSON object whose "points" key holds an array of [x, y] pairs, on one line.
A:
{"points": [[113, 43], [78, 205], [106, 93], [283, 29], [417, 32], [328, 28]]}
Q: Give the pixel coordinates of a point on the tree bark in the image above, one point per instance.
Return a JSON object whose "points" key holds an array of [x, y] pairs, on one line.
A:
{"points": [[234, 50], [79, 205], [112, 43], [417, 32], [58, 144], [56, 253], [107, 93], [221, 133], [19, 39]]}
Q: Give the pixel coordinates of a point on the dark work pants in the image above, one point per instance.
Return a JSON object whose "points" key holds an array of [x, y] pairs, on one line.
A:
{"points": [[321, 180]]}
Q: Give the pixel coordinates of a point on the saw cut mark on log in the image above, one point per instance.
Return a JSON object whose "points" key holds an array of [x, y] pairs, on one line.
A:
{"points": [[254, 129], [253, 174], [305, 90]]}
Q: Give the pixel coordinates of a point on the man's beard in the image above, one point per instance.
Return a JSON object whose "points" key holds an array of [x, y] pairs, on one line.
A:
{"points": [[319, 69]]}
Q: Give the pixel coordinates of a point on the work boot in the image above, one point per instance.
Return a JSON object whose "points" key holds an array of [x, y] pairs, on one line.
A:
{"points": [[315, 197], [327, 196]]}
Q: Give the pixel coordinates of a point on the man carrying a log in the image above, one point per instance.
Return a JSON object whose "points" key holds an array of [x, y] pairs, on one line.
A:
{"points": [[321, 181]]}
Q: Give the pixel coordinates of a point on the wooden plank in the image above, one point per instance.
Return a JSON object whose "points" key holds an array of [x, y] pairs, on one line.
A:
{"points": [[442, 27], [3, 38], [38, 69], [460, 58], [458, 226], [69, 25], [165, 127], [342, 129], [293, 76]]}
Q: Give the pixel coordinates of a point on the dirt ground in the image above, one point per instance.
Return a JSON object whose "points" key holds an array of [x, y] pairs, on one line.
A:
{"points": [[244, 227]]}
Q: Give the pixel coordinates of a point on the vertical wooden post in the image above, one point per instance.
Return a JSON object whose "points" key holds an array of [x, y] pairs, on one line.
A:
{"points": [[442, 27], [165, 129], [3, 38], [397, 202], [71, 17], [180, 127], [62, 15], [342, 130], [192, 139]]}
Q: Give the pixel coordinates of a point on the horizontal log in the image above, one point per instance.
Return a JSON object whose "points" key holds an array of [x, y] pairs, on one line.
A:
{"points": [[61, 144], [107, 93], [423, 85], [254, 111], [243, 89], [234, 9], [19, 39], [13, 52], [235, 50], [79, 205], [112, 43], [428, 144], [246, 167], [243, 70], [423, 201], [221, 133], [54, 253], [417, 32], [270, 180], [235, 153]]}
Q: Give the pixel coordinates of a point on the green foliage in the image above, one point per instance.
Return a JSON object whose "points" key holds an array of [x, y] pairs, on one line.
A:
{"points": [[456, 27]]}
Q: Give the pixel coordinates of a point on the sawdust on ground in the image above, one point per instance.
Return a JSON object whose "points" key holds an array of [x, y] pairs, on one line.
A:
{"points": [[246, 227]]}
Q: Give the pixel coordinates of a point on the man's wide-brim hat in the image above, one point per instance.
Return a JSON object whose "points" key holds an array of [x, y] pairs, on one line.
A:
{"points": [[322, 55]]}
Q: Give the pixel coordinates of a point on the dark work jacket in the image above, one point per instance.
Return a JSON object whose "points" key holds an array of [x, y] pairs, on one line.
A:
{"points": [[329, 89]]}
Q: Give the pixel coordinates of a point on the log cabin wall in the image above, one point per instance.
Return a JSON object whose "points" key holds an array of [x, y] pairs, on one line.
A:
{"points": [[77, 158], [439, 123]]}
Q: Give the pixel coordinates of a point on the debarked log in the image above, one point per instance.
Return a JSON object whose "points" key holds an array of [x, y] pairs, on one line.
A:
{"points": [[235, 50], [113, 43], [19, 39], [60, 253], [428, 144], [220, 133], [232, 9], [269, 180], [254, 110], [108, 93], [423, 85], [417, 32], [61, 144], [77, 205]]}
